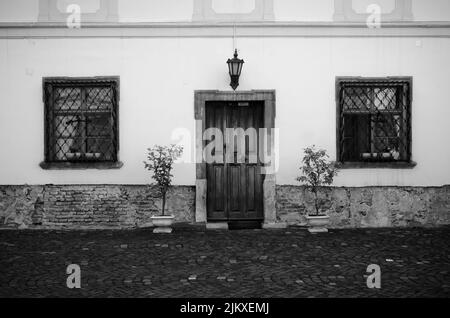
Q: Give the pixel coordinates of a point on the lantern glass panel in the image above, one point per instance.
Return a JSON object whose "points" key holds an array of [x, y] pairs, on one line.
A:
{"points": [[240, 68], [237, 68]]}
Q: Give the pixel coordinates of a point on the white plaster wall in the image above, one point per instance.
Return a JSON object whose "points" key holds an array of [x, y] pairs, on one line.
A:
{"points": [[181, 10], [159, 75]]}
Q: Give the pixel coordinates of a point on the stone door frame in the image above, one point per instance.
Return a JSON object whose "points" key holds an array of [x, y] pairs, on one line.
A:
{"points": [[200, 99]]}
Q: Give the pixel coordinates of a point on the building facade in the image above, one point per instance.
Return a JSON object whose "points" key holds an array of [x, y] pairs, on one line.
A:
{"points": [[87, 86]]}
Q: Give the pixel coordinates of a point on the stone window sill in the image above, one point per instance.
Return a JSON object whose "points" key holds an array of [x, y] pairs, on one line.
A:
{"points": [[370, 165], [80, 165]]}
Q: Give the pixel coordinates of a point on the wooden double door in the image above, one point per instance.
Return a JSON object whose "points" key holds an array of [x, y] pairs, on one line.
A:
{"points": [[235, 185]]}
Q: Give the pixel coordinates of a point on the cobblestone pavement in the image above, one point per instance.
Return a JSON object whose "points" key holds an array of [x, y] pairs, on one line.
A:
{"points": [[193, 262]]}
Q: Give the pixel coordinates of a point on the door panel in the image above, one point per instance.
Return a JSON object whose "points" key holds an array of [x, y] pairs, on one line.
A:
{"points": [[251, 188], [216, 203], [235, 186]]}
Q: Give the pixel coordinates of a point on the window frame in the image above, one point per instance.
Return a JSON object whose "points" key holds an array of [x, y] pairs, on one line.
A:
{"points": [[408, 163], [50, 163]]}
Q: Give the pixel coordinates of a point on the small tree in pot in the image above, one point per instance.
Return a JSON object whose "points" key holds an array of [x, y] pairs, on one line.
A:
{"points": [[160, 162], [317, 171]]}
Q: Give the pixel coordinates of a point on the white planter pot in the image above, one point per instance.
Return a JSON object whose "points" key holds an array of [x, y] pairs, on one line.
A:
{"points": [[317, 224], [163, 224]]}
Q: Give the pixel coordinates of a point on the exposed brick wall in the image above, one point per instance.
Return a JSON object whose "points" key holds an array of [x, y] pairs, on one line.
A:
{"points": [[368, 206], [77, 206], [128, 206]]}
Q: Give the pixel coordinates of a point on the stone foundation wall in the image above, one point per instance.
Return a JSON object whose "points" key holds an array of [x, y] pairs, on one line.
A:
{"points": [[367, 206], [76, 206], [128, 206], [21, 206]]}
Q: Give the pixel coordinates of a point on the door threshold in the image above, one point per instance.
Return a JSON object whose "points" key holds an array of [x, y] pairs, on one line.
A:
{"points": [[245, 225], [235, 225], [216, 225]]}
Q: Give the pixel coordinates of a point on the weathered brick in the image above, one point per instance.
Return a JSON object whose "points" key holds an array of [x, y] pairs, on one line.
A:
{"points": [[76, 205], [73, 206]]}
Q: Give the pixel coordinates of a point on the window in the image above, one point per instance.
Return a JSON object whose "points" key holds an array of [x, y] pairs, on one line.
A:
{"points": [[81, 124], [374, 120]]}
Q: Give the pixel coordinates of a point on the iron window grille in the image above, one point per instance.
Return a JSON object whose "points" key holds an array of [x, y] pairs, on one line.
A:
{"points": [[374, 119], [81, 123]]}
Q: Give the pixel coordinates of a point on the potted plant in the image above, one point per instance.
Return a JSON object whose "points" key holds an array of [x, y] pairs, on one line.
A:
{"points": [[317, 171], [160, 162]]}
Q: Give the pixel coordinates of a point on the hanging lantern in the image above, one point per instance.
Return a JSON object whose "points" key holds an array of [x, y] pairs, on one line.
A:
{"points": [[235, 68]]}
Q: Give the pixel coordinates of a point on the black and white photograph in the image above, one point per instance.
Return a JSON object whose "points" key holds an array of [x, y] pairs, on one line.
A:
{"points": [[226, 155]]}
